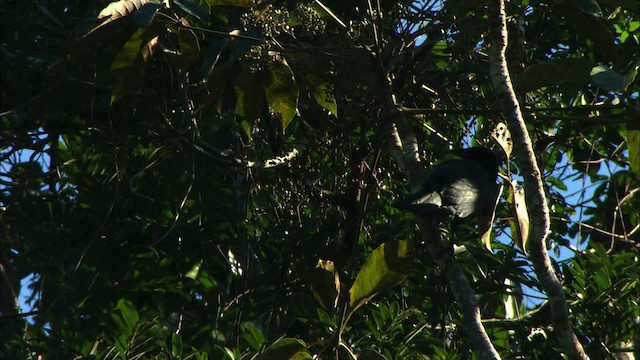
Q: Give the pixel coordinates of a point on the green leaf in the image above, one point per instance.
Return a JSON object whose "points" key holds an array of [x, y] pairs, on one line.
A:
{"points": [[252, 335], [117, 12], [176, 345], [195, 270], [198, 8], [281, 91], [323, 92], [610, 80], [130, 63], [560, 185], [284, 348], [128, 313], [633, 145], [553, 72], [325, 284], [387, 266]]}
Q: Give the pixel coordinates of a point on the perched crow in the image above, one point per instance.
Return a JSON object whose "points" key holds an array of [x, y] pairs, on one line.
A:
{"points": [[463, 186]]}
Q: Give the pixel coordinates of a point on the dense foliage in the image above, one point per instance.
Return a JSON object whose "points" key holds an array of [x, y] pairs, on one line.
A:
{"points": [[172, 173]]}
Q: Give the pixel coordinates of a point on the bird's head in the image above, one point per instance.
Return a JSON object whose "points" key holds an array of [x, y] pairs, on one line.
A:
{"points": [[483, 156]]}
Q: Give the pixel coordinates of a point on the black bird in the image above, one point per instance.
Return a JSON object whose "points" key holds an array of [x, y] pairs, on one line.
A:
{"points": [[463, 186]]}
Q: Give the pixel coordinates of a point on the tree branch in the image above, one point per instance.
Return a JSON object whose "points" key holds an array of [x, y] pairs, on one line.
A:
{"points": [[403, 146], [535, 196]]}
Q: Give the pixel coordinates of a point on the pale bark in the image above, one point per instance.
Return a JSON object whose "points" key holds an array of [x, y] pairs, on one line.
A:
{"points": [[534, 187]]}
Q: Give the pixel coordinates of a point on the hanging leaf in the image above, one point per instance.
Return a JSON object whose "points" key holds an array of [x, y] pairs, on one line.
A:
{"points": [[502, 136], [281, 91], [553, 72], [325, 284], [323, 92], [520, 227], [116, 12], [485, 221], [130, 63], [387, 266]]}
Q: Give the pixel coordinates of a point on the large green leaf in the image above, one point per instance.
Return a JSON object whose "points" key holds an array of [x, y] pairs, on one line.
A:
{"points": [[281, 91], [323, 92], [130, 63], [387, 266], [553, 72], [610, 80]]}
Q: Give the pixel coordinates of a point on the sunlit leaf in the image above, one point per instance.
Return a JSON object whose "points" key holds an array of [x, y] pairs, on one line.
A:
{"points": [[323, 92], [120, 10], [502, 136], [560, 185], [387, 266], [519, 228], [281, 91]]}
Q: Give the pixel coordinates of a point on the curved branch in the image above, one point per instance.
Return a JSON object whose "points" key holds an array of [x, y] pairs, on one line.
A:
{"points": [[403, 146], [535, 195]]}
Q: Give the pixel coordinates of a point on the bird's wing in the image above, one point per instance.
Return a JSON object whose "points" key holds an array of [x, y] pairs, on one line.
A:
{"points": [[429, 200], [461, 196], [461, 183]]}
